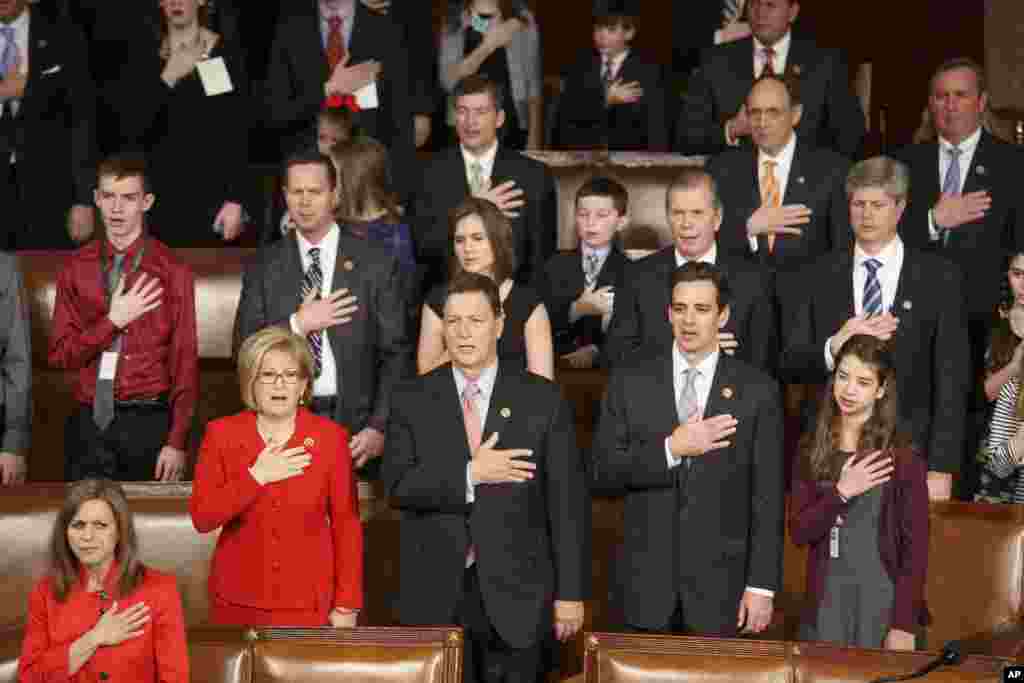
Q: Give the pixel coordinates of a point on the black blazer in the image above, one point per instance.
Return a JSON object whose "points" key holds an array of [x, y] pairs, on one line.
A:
{"points": [[373, 351], [53, 133], [832, 116], [978, 248], [297, 71], [817, 179], [704, 532], [640, 318], [585, 122], [444, 185], [562, 283], [532, 538], [929, 349]]}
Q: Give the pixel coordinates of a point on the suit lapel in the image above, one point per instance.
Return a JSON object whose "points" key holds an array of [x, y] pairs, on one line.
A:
{"points": [[844, 295], [932, 185], [723, 389], [796, 187], [977, 174], [446, 393], [798, 56], [360, 43], [498, 411], [664, 391], [345, 269], [316, 50], [610, 269], [905, 285]]}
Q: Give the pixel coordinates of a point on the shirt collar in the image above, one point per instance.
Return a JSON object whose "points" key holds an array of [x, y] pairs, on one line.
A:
{"points": [[601, 253], [886, 256], [781, 47], [20, 24], [328, 244], [486, 159], [485, 382], [784, 158], [132, 249], [967, 146], [710, 256], [706, 367]]}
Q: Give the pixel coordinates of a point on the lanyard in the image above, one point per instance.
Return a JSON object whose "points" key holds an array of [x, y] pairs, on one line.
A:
{"points": [[105, 285]]}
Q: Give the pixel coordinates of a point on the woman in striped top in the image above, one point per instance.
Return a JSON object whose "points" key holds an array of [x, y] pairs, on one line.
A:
{"points": [[1000, 481]]}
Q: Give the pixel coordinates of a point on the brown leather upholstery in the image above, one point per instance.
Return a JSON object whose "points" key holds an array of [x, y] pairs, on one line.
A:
{"points": [[618, 658], [223, 655]]}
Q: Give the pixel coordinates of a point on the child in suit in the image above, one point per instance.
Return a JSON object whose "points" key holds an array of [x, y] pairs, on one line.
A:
{"points": [[613, 98], [578, 287]]}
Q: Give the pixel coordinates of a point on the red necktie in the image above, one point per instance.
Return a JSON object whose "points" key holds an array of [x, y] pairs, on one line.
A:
{"points": [[769, 62], [335, 42]]}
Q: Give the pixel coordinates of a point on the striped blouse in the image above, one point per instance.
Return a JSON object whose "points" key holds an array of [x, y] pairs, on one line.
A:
{"points": [[1001, 458]]}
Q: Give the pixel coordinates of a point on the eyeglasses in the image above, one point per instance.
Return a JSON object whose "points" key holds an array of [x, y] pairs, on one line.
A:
{"points": [[271, 377]]}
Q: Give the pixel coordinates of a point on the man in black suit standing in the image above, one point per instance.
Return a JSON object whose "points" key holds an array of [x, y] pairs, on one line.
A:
{"points": [[692, 438], [325, 48], [521, 187], [47, 111], [713, 116], [695, 216], [898, 293], [482, 461], [965, 198], [344, 295]]}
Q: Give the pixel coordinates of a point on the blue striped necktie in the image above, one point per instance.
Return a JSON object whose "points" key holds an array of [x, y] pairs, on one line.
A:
{"points": [[872, 288], [313, 280]]}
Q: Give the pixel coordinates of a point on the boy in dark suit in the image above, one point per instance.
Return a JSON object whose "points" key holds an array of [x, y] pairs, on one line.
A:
{"points": [[613, 98], [578, 286]]}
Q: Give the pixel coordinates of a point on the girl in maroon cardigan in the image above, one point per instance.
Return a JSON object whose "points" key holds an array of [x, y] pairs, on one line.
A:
{"points": [[860, 501]]}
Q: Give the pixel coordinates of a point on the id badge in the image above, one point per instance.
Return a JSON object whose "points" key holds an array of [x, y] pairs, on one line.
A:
{"points": [[108, 365]]}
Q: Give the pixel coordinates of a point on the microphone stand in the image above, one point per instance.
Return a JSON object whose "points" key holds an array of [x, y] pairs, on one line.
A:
{"points": [[950, 655]]}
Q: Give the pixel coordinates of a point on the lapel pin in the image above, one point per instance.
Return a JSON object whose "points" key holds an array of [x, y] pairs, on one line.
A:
{"points": [[800, 180], [309, 443], [348, 265], [797, 69], [727, 392], [506, 413], [907, 305], [981, 170], [43, 43]]}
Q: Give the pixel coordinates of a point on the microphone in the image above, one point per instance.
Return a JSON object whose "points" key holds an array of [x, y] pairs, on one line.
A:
{"points": [[950, 656]]}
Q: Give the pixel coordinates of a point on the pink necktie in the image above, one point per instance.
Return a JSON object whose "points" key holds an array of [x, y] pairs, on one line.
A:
{"points": [[471, 415]]}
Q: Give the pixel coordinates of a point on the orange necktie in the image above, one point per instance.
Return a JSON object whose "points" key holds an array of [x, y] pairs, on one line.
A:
{"points": [[770, 195], [335, 43]]}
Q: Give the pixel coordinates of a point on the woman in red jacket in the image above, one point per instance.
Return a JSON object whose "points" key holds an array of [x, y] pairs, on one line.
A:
{"points": [[860, 500], [99, 614], [278, 481]]}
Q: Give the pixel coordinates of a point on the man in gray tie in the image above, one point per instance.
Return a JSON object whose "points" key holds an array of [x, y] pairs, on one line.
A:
{"points": [[965, 199], [692, 438]]}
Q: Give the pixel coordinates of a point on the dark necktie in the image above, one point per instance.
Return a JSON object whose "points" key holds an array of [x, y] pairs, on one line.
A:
{"points": [[872, 288], [103, 400], [313, 281]]}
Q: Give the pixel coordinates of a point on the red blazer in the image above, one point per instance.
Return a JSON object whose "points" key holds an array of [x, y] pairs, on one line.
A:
{"points": [[292, 544], [902, 536], [159, 655]]}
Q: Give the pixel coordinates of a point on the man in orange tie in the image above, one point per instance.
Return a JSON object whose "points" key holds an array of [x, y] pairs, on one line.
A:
{"points": [[481, 459]]}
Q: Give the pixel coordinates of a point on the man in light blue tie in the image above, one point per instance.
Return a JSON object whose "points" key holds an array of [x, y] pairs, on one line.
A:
{"points": [[889, 290]]}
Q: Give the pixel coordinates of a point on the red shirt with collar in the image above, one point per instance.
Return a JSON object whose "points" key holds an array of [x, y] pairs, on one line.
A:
{"points": [[159, 655], [292, 544], [159, 351]]}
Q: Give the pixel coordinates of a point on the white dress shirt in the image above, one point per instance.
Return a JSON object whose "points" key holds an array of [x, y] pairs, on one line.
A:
{"points": [[783, 162], [967, 149], [781, 54], [702, 386], [708, 256], [888, 277], [485, 382], [327, 383], [20, 26], [486, 161]]}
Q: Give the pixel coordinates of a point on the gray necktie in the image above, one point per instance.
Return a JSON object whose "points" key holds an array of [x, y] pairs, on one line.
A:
{"points": [[476, 177], [313, 280], [688, 405], [9, 54], [103, 400], [590, 269], [951, 183]]}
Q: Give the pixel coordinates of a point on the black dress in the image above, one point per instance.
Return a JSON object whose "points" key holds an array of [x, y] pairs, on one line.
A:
{"points": [[195, 146], [518, 307]]}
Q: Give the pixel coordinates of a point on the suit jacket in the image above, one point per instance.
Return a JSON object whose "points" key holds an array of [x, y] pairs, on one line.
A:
{"points": [[52, 134], [444, 185], [531, 538], [640, 319], [297, 70], [832, 116], [317, 569], [586, 122], [817, 179], [372, 352], [563, 282], [16, 361], [978, 247], [703, 532], [929, 349]]}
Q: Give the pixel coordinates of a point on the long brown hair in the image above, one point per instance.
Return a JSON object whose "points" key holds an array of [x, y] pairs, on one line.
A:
{"points": [[817, 450], [364, 180], [64, 566], [499, 234]]}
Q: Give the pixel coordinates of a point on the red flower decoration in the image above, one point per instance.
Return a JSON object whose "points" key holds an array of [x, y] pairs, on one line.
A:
{"points": [[337, 101]]}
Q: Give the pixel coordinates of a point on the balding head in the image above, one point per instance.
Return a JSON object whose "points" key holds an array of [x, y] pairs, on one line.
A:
{"points": [[774, 111]]}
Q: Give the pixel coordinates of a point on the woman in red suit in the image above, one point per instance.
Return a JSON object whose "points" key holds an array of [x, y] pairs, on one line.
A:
{"points": [[99, 614], [277, 480]]}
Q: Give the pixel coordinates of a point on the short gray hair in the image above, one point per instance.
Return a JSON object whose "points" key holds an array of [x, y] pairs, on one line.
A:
{"points": [[692, 178], [884, 173]]}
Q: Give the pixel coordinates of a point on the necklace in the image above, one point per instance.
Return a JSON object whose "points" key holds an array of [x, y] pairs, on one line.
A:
{"points": [[270, 435]]}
